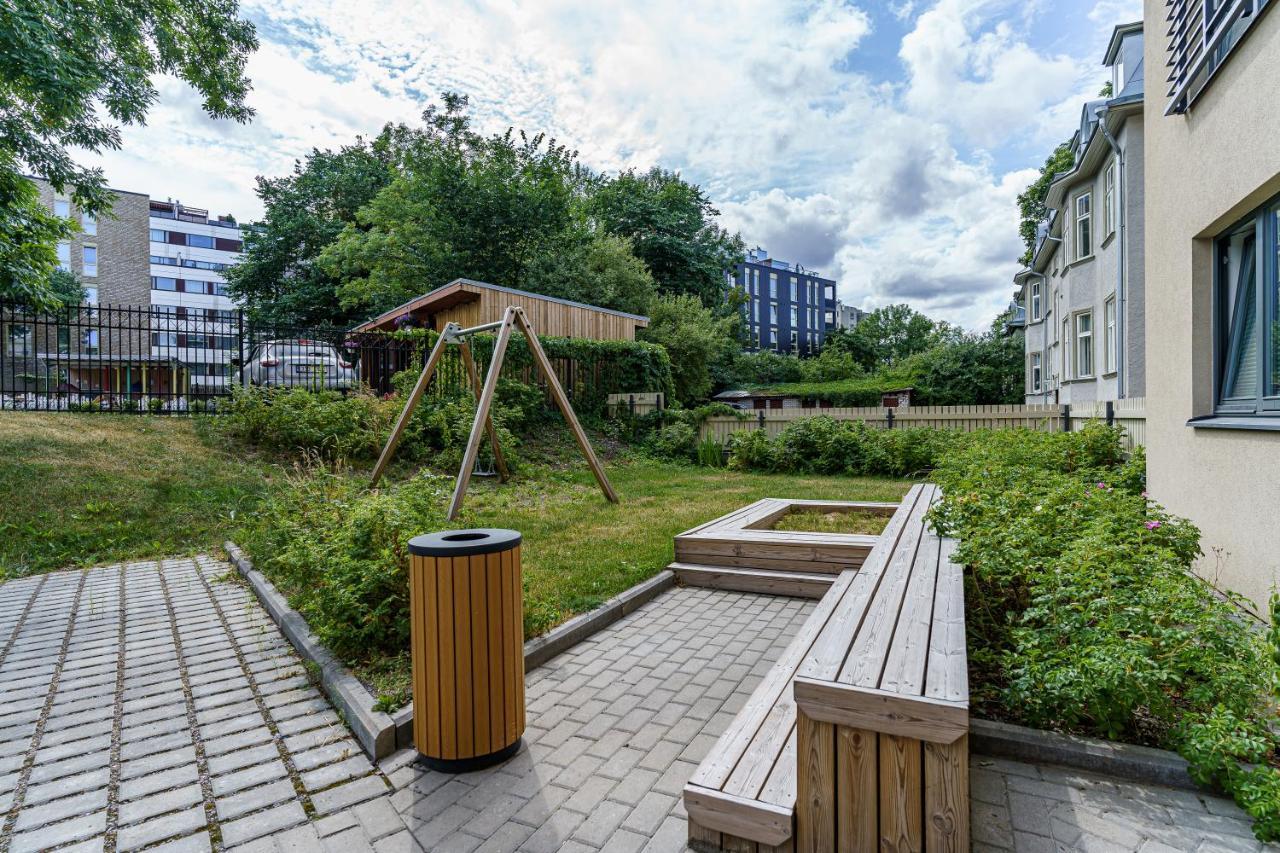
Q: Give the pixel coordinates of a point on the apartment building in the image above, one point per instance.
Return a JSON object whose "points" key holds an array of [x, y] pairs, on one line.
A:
{"points": [[788, 309], [848, 316], [1213, 254], [1083, 296]]}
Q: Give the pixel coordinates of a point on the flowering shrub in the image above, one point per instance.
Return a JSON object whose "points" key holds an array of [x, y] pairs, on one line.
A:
{"points": [[1084, 615]]}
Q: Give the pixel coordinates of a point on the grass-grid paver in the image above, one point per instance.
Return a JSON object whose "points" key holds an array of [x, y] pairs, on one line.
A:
{"points": [[154, 706]]}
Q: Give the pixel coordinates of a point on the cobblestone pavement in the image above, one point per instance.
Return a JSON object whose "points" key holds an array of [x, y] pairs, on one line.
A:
{"points": [[183, 720]]}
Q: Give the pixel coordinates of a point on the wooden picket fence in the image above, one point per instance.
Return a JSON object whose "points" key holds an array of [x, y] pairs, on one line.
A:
{"points": [[1129, 413]]}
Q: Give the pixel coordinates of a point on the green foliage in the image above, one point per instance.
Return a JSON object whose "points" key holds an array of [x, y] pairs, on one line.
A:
{"points": [[601, 271], [677, 442], [1031, 201], [695, 340], [890, 335], [823, 445], [278, 279], [710, 452], [672, 227], [1084, 615], [61, 62]]}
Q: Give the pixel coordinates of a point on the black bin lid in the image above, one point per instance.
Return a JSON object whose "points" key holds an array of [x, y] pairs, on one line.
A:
{"points": [[464, 543]]}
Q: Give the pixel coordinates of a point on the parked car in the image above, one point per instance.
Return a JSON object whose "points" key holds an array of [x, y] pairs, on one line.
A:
{"points": [[298, 363]]}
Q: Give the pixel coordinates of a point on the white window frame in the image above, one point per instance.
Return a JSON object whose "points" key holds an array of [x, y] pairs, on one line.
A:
{"points": [[1037, 373], [62, 208], [1109, 321], [1083, 225], [87, 269], [1110, 198], [773, 285], [1083, 345], [89, 224], [1035, 300], [64, 256], [773, 314], [1065, 343]]}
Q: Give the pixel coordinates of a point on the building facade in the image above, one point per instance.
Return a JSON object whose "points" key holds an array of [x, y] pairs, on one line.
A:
{"points": [[848, 316], [1213, 328], [1083, 295], [788, 309]]}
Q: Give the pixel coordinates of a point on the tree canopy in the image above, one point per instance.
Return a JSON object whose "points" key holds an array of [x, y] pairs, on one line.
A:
{"points": [[66, 63], [889, 335]]}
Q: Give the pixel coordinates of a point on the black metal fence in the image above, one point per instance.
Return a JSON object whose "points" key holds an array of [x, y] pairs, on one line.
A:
{"points": [[164, 359]]}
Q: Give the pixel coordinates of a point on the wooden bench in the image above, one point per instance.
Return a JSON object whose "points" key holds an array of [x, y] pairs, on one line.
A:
{"points": [[872, 691]]}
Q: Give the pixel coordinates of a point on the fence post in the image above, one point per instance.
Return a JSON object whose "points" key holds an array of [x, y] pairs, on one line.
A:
{"points": [[240, 341], [631, 403], [888, 416], [1111, 413], [1066, 417], [661, 408], [761, 419]]}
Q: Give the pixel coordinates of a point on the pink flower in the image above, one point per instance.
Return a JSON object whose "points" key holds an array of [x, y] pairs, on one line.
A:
{"points": [[1144, 493], [1152, 525]]}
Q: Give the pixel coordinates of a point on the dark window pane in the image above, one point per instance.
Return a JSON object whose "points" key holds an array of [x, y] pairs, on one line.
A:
{"points": [[1273, 287]]}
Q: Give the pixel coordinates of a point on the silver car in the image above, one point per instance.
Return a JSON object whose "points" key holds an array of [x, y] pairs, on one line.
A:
{"points": [[298, 363]]}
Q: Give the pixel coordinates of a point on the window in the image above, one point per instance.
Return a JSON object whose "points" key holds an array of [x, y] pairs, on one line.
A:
{"points": [[1065, 343], [200, 241], [773, 335], [163, 283], [89, 341], [795, 317], [795, 289], [62, 208], [164, 339], [159, 235], [20, 340], [89, 223], [1035, 300], [1109, 333], [773, 285], [64, 256], [64, 340], [1084, 225], [1035, 373], [1247, 311], [773, 313], [795, 340], [91, 296], [90, 261], [1084, 344], [1111, 207]]}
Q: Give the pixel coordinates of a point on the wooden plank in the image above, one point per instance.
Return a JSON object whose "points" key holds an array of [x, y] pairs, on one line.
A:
{"points": [[904, 670], [702, 838], [946, 796], [745, 818], [497, 680], [686, 552], [901, 795], [734, 844], [857, 818], [889, 713], [797, 584], [948, 667], [448, 676], [566, 409], [775, 547], [482, 413], [749, 777], [780, 788], [481, 706], [829, 650], [727, 751], [414, 396], [724, 519], [815, 785], [464, 662]]}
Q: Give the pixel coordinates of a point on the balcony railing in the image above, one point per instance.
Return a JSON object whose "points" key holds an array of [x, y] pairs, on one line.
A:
{"points": [[1201, 35]]}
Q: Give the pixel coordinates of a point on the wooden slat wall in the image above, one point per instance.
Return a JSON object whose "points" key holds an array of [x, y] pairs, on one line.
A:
{"points": [[1130, 414], [548, 318]]}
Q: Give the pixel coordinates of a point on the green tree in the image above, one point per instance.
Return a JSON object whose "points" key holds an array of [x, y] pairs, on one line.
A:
{"points": [[601, 271], [279, 280], [697, 341], [1031, 205], [463, 205], [65, 62], [65, 290], [891, 334], [974, 370], [671, 227]]}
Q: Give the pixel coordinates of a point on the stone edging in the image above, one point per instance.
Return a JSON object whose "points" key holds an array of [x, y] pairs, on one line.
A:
{"points": [[382, 734], [373, 729], [1121, 760]]}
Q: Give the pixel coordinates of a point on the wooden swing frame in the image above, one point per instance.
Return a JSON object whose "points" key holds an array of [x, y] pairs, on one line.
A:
{"points": [[455, 335]]}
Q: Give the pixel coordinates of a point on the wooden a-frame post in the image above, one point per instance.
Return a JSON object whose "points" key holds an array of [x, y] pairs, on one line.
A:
{"points": [[483, 423]]}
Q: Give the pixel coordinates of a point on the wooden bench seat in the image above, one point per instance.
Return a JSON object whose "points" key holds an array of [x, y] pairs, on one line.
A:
{"points": [[869, 634]]}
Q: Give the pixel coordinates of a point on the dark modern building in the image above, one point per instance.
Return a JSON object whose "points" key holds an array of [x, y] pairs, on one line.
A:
{"points": [[788, 308]]}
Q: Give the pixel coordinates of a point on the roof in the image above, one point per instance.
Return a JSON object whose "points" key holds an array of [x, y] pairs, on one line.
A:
{"points": [[1117, 39], [454, 293]]}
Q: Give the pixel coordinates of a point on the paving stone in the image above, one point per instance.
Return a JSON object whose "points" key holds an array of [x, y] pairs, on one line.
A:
{"points": [[249, 777], [331, 774], [601, 824], [235, 805], [160, 829], [262, 823], [649, 813], [349, 794], [51, 835], [161, 803], [378, 818]]}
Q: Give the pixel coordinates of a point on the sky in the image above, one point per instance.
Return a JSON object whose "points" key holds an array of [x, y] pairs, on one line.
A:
{"points": [[880, 142]]}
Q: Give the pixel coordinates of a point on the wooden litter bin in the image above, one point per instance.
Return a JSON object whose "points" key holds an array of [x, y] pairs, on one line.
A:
{"points": [[467, 645]]}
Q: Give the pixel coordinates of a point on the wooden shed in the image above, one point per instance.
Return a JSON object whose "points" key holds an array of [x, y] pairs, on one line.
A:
{"points": [[471, 303]]}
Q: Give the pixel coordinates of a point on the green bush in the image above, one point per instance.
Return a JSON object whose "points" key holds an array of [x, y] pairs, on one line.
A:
{"points": [[1084, 615], [677, 442], [824, 445], [710, 453]]}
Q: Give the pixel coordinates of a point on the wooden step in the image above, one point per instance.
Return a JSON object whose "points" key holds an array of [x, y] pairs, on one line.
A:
{"points": [[798, 584]]}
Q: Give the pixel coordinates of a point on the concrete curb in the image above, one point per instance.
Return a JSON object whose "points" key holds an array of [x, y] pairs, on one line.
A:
{"points": [[539, 650], [1121, 760], [375, 730]]}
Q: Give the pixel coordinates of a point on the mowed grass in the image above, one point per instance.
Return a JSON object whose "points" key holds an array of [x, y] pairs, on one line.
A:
{"points": [[816, 521], [85, 489]]}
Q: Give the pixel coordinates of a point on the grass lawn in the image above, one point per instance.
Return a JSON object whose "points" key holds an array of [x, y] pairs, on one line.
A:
{"points": [[816, 521], [79, 489]]}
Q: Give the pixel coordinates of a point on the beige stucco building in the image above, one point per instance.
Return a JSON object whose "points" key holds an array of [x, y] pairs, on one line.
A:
{"points": [[1212, 147]]}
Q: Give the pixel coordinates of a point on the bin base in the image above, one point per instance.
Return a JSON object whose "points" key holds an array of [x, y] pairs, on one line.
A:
{"points": [[468, 765]]}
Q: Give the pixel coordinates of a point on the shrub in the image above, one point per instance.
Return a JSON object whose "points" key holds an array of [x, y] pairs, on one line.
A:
{"points": [[710, 453], [1084, 615], [824, 445], [676, 442]]}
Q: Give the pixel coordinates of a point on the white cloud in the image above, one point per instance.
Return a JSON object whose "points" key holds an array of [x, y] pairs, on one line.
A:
{"points": [[894, 178]]}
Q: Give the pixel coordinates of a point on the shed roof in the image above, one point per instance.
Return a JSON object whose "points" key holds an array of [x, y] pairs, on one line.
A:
{"points": [[460, 290]]}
